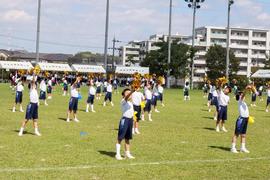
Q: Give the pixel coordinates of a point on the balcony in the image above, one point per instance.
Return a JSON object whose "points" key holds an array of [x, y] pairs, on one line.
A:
{"points": [[237, 37], [218, 36], [201, 53], [242, 73], [199, 62], [241, 55], [243, 64], [259, 47], [199, 71], [258, 56], [258, 38], [239, 46]]}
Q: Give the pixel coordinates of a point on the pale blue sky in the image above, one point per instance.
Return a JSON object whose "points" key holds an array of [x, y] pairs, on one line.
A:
{"points": [[69, 26]]}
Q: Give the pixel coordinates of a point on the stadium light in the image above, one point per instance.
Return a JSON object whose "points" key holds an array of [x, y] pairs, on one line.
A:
{"points": [[230, 3], [194, 4], [169, 45], [106, 37], [38, 31]]}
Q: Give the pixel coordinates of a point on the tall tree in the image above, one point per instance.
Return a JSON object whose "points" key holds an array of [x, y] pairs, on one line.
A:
{"points": [[157, 60], [216, 62]]}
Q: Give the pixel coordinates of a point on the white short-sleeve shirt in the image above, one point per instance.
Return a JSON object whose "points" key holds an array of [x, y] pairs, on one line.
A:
{"points": [[127, 109], [137, 98]]}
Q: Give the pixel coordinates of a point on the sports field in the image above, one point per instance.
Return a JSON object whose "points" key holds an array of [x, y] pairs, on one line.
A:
{"points": [[180, 143]]}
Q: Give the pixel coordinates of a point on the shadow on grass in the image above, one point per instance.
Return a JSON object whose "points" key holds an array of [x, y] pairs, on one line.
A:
{"points": [[63, 119], [206, 110], [208, 117], [107, 153], [220, 147], [210, 129], [24, 132]]}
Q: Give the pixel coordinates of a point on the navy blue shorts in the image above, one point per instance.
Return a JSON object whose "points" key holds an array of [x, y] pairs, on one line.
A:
{"points": [[91, 99], [222, 113], [65, 87], [210, 96], [115, 86], [31, 111], [138, 109], [42, 95], [268, 101], [18, 97], [49, 90], [147, 105], [260, 93], [104, 89], [73, 104], [108, 96], [125, 129], [253, 97], [154, 100], [186, 93], [160, 97], [241, 126], [214, 102], [98, 90]]}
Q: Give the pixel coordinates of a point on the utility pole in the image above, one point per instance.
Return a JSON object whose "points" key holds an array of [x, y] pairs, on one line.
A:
{"points": [[194, 4], [114, 42], [169, 45], [230, 2], [38, 32], [106, 36]]}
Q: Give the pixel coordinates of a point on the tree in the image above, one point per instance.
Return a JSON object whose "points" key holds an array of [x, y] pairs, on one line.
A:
{"points": [[157, 60], [216, 62], [130, 60], [267, 62]]}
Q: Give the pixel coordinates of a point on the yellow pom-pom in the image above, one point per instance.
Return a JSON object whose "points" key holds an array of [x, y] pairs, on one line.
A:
{"points": [[143, 104], [251, 120], [134, 116]]}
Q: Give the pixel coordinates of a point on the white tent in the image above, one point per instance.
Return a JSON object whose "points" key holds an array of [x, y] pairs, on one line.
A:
{"points": [[131, 70], [88, 68], [54, 67], [14, 65], [262, 73]]}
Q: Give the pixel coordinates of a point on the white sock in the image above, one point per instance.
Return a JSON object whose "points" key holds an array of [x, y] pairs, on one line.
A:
{"points": [[233, 145], [243, 146], [92, 107], [118, 148], [149, 116], [21, 130], [127, 152], [87, 107]]}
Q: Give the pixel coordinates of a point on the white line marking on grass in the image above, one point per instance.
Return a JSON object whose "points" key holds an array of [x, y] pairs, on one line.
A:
{"points": [[3, 170]]}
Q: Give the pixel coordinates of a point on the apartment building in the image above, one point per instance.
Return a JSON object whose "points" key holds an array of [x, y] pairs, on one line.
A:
{"points": [[251, 46]]}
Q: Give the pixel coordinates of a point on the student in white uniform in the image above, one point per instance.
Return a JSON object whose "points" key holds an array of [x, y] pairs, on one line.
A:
{"points": [[98, 93], [108, 95], [210, 97], [137, 98], [49, 89], [18, 96], [73, 102], [148, 97], [65, 87], [155, 98], [91, 97], [42, 93], [268, 99], [223, 102], [241, 124], [260, 93], [32, 109], [186, 91], [125, 125], [214, 101], [160, 92]]}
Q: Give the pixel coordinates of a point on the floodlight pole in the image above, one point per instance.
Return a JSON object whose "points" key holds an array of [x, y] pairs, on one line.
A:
{"points": [[38, 31], [230, 2], [106, 37], [169, 45]]}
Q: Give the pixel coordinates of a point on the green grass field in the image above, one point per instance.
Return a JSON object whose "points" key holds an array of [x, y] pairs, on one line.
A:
{"points": [[180, 143]]}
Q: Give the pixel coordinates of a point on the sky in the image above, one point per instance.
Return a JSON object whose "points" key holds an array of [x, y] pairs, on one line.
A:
{"points": [[70, 26]]}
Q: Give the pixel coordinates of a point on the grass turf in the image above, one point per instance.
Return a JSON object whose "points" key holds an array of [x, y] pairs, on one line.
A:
{"points": [[180, 143]]}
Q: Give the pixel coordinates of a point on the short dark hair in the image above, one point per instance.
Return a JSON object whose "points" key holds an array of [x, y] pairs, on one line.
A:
{"points": [[124, 91]]}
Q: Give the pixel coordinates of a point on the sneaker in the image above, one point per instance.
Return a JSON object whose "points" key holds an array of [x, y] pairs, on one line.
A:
{"points": [[46, 104], [137, 131], [142, 118], [209, 110], [118, 157], [217, 129], [13, 110], [157, 111], [20, 133], [112, 104], [224, 129], [234, 150], [68, 120], [215, 118], [21, 110], [93, 111], [129, 156], [86, 110], [133, 131], [266, 110], [163, 105], [76, 120], [151, 119], [244, 150], [37, 133]]}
